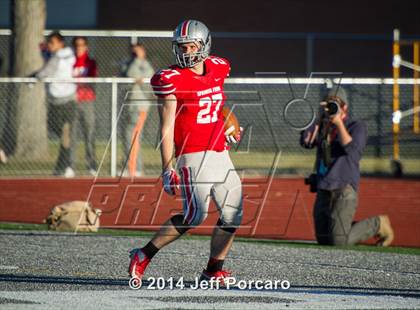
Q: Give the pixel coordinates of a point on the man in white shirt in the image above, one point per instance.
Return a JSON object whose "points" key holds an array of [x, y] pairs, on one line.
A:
{"points": [[61, 98]]}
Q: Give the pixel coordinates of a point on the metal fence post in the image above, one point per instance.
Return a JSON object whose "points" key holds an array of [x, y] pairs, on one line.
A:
{"points": [[309, 54], [114, 122]]}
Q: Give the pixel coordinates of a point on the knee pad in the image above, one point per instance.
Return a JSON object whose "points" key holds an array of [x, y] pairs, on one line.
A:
{"points": [[179, 224], [231, 216], [228, 228]]}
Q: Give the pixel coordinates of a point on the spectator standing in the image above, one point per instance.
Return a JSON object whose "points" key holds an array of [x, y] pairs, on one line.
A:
{"points": [[84, 66], [61, 97], [135, 113]]}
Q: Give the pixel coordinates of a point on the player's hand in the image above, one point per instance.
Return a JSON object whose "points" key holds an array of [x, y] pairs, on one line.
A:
{"points": [[230, 138], [170, 181]]}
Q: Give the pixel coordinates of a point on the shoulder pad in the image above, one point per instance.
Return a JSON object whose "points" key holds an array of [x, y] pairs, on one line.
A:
{"points": [[164, 82], [221, 64]]}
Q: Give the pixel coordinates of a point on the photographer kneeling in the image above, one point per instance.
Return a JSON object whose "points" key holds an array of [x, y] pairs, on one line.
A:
{"points": [[340, 142]]}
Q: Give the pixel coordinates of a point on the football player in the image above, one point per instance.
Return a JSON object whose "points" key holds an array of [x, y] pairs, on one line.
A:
{"points": [[190, 101]]}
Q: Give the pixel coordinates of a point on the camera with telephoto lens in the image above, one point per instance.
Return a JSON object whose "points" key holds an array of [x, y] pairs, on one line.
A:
{"points": [[332, 107], [312, 181]]}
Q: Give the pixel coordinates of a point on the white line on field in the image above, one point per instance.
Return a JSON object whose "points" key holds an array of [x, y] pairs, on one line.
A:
{"points": [[9, 267]]}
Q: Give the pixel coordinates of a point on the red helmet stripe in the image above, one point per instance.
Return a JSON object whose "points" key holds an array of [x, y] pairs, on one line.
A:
{"points": [[184, 28]]}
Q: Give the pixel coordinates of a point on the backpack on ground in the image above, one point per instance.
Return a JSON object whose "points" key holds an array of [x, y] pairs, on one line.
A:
{"points": [[74, 216]]}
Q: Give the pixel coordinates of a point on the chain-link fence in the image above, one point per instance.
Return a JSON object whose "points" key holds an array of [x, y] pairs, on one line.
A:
{"points": [[297, 53], [259, 103], [111, 50], [269, 140]]}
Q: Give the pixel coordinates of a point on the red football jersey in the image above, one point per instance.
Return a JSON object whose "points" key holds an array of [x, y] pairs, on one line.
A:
{"points": [[199, 98]]}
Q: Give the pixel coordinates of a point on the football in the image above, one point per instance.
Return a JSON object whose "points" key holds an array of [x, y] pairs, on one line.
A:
{"points": [[230, 120]]}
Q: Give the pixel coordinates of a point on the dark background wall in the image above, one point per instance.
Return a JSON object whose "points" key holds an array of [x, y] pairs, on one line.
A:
{"points": [[350, 37], [293, 36], [355, 16]]}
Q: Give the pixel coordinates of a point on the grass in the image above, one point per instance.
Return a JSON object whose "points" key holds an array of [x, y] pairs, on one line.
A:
{"points": [[254, 163], [281, 243]]}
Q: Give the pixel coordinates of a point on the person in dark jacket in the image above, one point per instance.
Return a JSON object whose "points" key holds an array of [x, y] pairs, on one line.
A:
{"points": [[340, 142]]}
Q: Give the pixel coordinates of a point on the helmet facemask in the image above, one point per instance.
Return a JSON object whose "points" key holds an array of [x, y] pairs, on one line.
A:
{"points": [[188, 60]]}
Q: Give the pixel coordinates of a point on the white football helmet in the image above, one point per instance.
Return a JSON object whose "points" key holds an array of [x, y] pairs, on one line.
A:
{"points": [[191, 31]]}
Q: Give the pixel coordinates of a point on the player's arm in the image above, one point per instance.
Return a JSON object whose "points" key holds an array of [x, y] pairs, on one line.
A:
{"points": [[164, 89], [167, 112]]}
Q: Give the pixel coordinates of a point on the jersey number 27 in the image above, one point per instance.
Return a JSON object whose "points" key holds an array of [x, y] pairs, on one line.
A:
{"points": [[210, 108]]}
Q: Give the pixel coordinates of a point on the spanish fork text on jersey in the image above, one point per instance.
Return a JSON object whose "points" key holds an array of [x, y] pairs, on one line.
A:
{"points": [[199, 98]]}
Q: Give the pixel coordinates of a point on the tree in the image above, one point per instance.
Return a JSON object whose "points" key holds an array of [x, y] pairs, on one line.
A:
{"points": [[31, 109]]}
